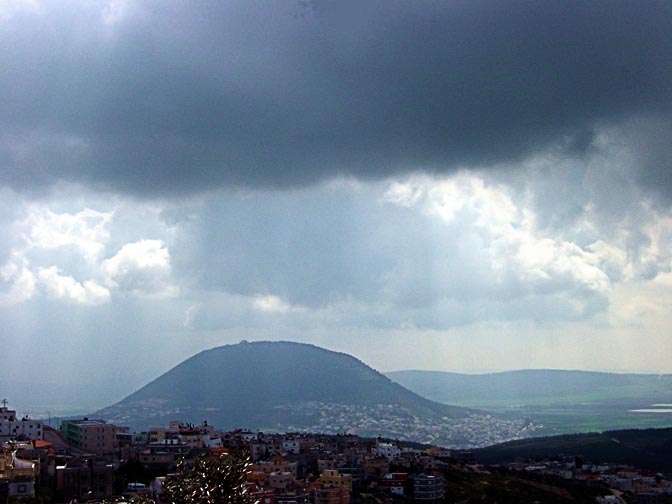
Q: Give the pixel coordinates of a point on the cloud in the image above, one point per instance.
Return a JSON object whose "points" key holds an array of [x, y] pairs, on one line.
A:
{"points": [[10, 8], [644, 303], [59, 248], [44, 236], [142, 268], [421, 251], [518, 252], [86, 230], [273, 304], [475, 263], [67, 288], [646, 140], [402, 194], [17, 281], [170, 98]]}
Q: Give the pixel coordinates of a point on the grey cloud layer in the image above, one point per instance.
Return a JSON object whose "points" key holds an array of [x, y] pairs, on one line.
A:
{"points": [[175, 97]]}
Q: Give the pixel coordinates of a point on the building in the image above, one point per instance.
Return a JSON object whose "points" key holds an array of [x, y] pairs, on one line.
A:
{"points": [[84, 479], [261, 495], [293, 498], [93, 436], [14, 428], [163, 456], [156, 434], [41, 453], [258, 450], [375, 468], [276, 464], [394, 483], [427, 488], [291, 445], [331, 461], [18, 474], [333, 478], [281, 480], [328, 494], [388, 450]]}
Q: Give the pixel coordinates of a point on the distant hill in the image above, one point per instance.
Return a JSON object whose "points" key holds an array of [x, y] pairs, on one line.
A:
{"points": [[281, 386], [533, 386], [563, 401], [643, 448]]}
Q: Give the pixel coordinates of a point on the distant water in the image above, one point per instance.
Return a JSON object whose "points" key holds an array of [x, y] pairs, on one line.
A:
{"points": [[656, 408]]}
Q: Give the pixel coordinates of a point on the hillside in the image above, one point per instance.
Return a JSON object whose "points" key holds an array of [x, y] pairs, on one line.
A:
{"points": [[292, 386], [646, 448], [563, 401]]}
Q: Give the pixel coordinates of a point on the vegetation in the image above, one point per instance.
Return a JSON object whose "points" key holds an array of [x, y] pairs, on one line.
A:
{"points": [[646, 448], [205, 480], [209, 480], [504, 487]]}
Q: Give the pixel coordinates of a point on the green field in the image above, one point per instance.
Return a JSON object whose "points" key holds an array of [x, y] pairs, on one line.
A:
{"points": [[566, 418]]}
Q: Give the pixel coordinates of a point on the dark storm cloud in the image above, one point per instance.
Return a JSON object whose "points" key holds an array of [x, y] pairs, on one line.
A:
{"points": [[174, 97], [650, 141]]}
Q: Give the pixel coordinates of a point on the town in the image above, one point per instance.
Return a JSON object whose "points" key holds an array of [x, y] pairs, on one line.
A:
{"points": [[91, 460], [474, 430]]}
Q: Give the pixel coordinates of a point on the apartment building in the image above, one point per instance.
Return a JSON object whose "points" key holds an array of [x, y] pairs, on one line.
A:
{"points": [[428, 488], [94, 436]]}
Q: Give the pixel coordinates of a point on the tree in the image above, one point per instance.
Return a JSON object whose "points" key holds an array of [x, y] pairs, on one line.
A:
{"points": [[209, 480], [205, 480]]}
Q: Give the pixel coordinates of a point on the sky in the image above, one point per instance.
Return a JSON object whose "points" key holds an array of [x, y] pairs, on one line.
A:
{"points": [[449, 185]]}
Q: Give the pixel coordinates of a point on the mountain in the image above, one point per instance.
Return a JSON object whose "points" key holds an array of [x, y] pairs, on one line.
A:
{"points": [[563, 401], [643, 448], [280, 386]]}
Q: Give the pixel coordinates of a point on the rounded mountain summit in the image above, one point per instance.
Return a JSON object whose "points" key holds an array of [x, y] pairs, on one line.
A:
{"points": [[279, 386]]}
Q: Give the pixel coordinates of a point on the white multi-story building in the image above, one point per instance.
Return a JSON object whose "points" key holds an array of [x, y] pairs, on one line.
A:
{"points": [[388, 450], [12, 427]]}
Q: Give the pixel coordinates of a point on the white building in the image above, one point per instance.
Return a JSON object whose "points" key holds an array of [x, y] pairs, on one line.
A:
{"points": [[388, 450], [210, 441], [12, 427], [291, 445]]}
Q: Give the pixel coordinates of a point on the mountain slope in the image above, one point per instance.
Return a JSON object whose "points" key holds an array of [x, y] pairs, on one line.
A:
{"points": [[284, 386]]}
